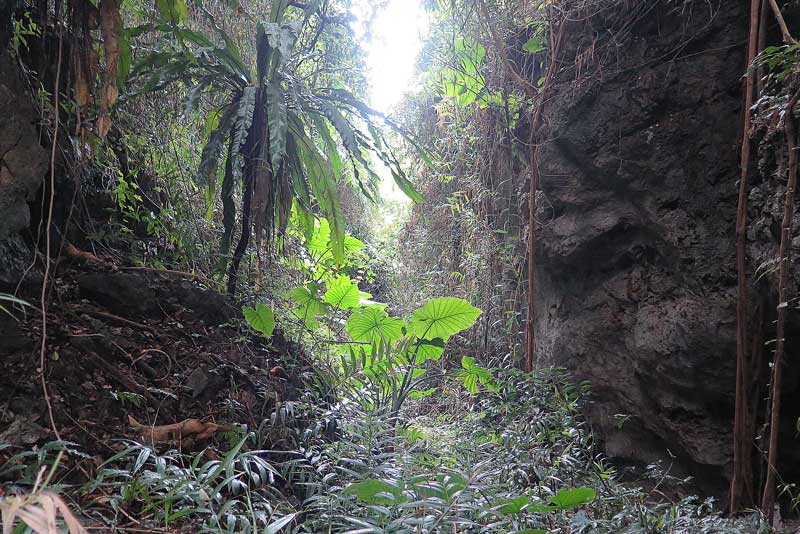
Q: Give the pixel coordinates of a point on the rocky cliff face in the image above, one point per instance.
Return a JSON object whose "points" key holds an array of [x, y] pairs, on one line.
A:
{"points": [[23, 166], [23, 162], [636, 272]]}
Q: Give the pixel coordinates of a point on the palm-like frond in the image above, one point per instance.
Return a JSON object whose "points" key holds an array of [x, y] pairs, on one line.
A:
{"points": [[281, 134]]}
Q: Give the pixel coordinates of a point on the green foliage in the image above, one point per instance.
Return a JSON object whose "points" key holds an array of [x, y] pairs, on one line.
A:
{"points": [[464, 82], [261, 318], [780, 62], [373, 325], [308, 305], [237, 493], [473, 376], [377, 492], [174, 11], [443, 317], [342, 293], [277, 124], [387, 373], [534, 45], [23, 29], [502, 468]]}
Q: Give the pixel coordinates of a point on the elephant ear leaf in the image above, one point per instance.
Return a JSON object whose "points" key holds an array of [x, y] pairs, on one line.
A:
{"points": [[260, 318], [373, 325], [308, 305], [443, 317], [343, 293]]}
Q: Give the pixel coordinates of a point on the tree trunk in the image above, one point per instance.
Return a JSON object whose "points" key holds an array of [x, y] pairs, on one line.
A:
{"points": [[741, 492], [784, 257]]}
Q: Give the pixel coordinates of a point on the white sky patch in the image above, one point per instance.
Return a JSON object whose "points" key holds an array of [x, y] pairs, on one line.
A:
{"points": [[395, 40]]}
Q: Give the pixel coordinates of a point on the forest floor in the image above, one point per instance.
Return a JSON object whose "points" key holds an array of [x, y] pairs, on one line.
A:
{"points": [[155, 386], [128, 353]]}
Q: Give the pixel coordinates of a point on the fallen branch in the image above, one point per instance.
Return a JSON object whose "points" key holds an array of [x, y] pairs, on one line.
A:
{"points": [[169, 271], [118, 319], [185, 434]]}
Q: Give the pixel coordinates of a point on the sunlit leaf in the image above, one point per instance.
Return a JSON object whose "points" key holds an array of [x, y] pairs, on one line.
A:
{"points": [[343, 293], [372, 325], [443, 317], [308, 305]]}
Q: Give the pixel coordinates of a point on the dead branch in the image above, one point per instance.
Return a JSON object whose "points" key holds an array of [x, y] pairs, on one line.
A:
{"points": [[787, 36]]}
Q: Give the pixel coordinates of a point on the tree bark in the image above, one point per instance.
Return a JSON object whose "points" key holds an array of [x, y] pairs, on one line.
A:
{"points": [[741, 493]]}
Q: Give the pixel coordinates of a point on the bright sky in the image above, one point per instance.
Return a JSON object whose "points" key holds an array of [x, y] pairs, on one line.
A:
{"points": [[394, 43]]}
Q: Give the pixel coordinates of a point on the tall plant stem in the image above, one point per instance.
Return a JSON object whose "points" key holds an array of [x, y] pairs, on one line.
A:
{"points": [[48, 225], [741, 481], [768, 499], [530, 329], [244, 240]]}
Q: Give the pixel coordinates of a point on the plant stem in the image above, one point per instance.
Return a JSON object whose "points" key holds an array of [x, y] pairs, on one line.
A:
{"points": [[784, 256], [741, 481]]}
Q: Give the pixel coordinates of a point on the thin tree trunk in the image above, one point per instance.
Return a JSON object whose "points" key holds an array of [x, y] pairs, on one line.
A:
{"points": [[244, 240], [530, 331], [784, 257], [741, 482]]}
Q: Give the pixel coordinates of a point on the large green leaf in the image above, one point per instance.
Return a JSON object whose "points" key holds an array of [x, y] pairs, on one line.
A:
{"points": [[278, 124], [429, 349], [567, 499], [535, 44], [512, 505], [308, 305], [324, 186], [246, 105], [443, 317], [260, 318], [394, 166], [212, 151], [377, 492], [469, 55], [174, 11], [343, 293], [372, 325], [331, 150]]}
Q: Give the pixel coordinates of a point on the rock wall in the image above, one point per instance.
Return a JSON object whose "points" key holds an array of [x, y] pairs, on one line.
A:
{"points": [[636, 272], [23, 162]]}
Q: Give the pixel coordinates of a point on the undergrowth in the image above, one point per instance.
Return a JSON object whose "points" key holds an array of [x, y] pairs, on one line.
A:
{"points": [[516, 460]]}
